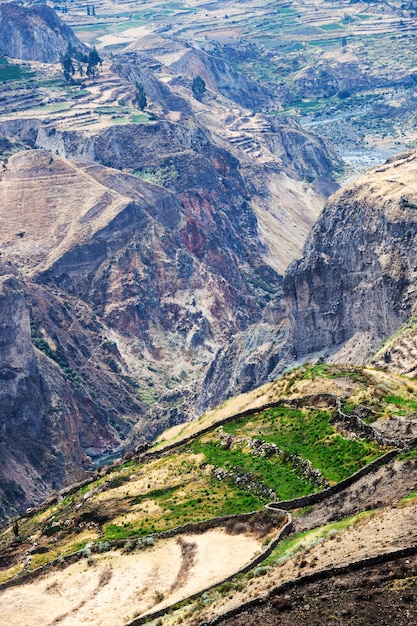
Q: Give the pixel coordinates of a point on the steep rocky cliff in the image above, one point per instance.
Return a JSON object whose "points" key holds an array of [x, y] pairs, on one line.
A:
{"points": [[354, 286], [133, 287], [147, 57], [34, 33], [145, 246], [40, 446]]}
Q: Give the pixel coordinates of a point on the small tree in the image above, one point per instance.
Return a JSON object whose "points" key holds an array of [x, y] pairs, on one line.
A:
{"points": [[140, 97], [94, 60], [67, 65], [198, 87]]}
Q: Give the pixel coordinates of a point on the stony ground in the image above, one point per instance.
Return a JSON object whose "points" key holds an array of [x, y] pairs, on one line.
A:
{"points": [[385, 594], [387, 525]]}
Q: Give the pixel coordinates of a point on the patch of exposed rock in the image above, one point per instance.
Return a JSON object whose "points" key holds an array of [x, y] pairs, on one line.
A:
{"points": [[145, 58], [353, 287], [134, 284], [34, 33], [40, 445]]}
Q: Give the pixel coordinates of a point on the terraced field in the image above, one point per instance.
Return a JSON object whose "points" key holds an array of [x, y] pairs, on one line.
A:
{"points": [[344, 70], [358, 55], [124, 516], [42, 93]]}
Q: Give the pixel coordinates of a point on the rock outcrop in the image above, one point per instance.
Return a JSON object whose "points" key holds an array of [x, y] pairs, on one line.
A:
{"points": [[353, 288], [146, 246], [34, 33], [133, 286], [40, 445], [143, 59]]}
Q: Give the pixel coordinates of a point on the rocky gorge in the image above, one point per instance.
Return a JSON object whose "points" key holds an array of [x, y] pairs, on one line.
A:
{"points": [[350, 291], [139, 248], [150, 254], [207, 350]]}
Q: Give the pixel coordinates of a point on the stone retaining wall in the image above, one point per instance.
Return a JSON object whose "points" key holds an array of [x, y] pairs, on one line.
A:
{"points": [[311, 578], [315, 498], [328, 399], [278, 508], [186, 529], [356, 424], [285, 530]]}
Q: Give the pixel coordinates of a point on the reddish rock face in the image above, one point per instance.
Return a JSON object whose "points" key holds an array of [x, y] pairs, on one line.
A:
{"points": [[131, 291], [132, 286]]}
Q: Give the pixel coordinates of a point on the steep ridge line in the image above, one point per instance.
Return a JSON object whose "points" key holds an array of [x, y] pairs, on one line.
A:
{"points": [[157, 454], [297, 402], [279, 510]]}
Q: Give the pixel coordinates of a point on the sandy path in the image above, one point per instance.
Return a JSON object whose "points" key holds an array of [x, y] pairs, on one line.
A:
{"points": [[115, 587]]}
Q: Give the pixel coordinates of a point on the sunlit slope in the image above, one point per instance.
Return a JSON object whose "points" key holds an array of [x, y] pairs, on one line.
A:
{"points": [[296, 443]]}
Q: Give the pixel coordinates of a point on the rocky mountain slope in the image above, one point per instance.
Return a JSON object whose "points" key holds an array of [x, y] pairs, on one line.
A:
{"points": [[38, 449], [351, 290], [134, 245], [34, 33], [144, 241]]}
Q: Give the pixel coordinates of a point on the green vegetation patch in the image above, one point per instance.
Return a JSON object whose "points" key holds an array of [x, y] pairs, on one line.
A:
{"points": [[333, 26], [400, 402], [321, 370], [13, 71], [57, 355], [305, 540], [409, 454], [270, 473], [237, 468], [310, 434], [174, 506], [411, 496], [140, 118], [159, 176]]}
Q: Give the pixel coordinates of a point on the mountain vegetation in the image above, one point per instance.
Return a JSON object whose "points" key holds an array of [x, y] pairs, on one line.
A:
{"points": [[295, 443], [172, 236]]}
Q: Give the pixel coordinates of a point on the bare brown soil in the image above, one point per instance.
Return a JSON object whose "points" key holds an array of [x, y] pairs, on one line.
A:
{"points": [[382, 594], [387, 525]]}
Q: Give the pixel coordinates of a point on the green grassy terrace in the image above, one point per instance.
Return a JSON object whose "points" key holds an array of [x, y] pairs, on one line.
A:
{"points": [[225, 471]]}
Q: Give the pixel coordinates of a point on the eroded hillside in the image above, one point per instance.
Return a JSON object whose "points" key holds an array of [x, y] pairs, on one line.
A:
{"points": [[105, 539], [143, 236], [351, 290]]}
